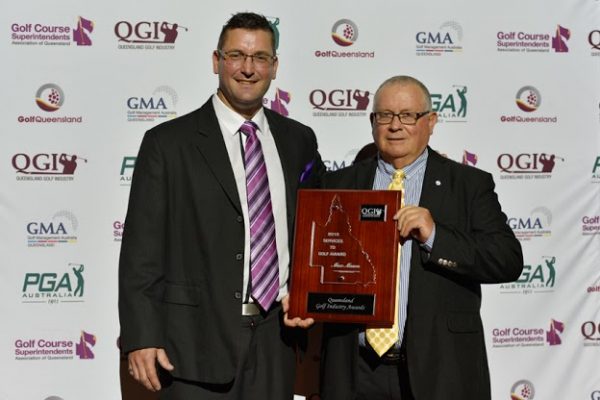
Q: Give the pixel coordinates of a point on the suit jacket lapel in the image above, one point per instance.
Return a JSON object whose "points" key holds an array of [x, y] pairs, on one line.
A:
{"points": [[279, 132], [212, 147], [435, 183], [365, 173]]}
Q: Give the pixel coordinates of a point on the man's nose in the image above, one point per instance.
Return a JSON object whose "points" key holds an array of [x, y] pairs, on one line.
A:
{"points": [[396, 125], [248, 66]]}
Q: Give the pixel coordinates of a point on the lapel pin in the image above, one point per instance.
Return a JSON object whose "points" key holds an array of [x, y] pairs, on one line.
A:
{"points": [[438, 183]]}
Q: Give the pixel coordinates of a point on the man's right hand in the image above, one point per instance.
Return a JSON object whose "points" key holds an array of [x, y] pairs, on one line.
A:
{"points": [[142, 366]]}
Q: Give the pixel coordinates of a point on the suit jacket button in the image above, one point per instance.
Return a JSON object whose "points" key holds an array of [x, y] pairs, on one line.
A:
{"points": [[237, 295], [240, 218], [239, 256]]}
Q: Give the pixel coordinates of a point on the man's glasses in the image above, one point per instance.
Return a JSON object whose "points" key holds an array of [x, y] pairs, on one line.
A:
{"points": [[236, 58], [406, 118]]}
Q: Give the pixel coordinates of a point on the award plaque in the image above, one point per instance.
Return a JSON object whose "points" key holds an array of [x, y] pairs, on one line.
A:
{"points": [[345, 256]]}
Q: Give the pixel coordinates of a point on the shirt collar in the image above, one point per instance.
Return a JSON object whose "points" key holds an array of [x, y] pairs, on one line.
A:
{"points": [[231, 120], [410, 170]]}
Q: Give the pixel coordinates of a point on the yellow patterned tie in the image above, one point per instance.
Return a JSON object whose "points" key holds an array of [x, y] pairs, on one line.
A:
{"points": [[381, 339]]}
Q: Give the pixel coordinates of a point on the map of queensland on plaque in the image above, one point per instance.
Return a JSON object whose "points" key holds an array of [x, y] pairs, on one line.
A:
{"points": [[338, 252], [345, 256]]}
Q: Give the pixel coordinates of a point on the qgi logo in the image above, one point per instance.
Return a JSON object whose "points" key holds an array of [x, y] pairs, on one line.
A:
{"points": [[373, 212]]}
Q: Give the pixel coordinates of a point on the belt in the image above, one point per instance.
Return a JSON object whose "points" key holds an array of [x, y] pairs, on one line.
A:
{"points": [[250, 309], [393, 356]]}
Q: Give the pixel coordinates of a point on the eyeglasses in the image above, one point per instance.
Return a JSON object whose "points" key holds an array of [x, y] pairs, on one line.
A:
{"points": [[236, 58], [406, 118]]}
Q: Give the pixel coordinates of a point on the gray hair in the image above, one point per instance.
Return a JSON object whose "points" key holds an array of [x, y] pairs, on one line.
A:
{"points": [[405, 80]]}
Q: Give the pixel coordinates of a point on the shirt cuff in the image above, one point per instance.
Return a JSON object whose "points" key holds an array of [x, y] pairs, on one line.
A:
{"points": [[428, 245]]}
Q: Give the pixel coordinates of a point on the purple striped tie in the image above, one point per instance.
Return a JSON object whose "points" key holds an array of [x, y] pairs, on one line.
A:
{"points": [[264, 266]]}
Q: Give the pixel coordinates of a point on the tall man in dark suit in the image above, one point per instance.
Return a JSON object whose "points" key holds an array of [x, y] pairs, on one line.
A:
{"points": [[454, 237], [198, 321]]}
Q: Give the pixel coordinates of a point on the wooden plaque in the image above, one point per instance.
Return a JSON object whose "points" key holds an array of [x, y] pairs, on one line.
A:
{"points": [[345, 257]]}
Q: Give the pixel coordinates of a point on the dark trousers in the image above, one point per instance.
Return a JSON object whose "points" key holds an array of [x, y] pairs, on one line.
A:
{"points": [[378, 379], [265, 370]]}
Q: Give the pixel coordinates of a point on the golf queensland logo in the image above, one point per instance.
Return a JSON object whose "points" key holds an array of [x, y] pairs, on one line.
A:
{"points": [[60, 230], [50, 98], [344, 32], [528, 99], [522, 390], [60, 286]]}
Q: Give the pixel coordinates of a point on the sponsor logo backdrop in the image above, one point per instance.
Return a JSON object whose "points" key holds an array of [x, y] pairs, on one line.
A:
{"points": [[518, 94]]}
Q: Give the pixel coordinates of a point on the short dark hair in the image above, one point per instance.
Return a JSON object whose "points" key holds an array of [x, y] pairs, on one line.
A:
{"points": [[250, 21]]}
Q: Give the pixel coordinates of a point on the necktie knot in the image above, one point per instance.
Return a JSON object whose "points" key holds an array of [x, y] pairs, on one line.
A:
{"points": [[397, 180], [249, 128]]}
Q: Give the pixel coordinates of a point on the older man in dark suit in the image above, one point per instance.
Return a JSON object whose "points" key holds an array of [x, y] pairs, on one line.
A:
{"points": [[205, 254], [454, 237]]}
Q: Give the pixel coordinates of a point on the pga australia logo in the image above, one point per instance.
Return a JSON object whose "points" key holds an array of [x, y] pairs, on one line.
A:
{"points": [[54, 287], [535, 279], [127, 167], [452, 105]]}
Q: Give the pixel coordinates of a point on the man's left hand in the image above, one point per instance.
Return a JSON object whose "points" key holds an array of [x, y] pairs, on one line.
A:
{"points": [[294, 322], [415, 222]]}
